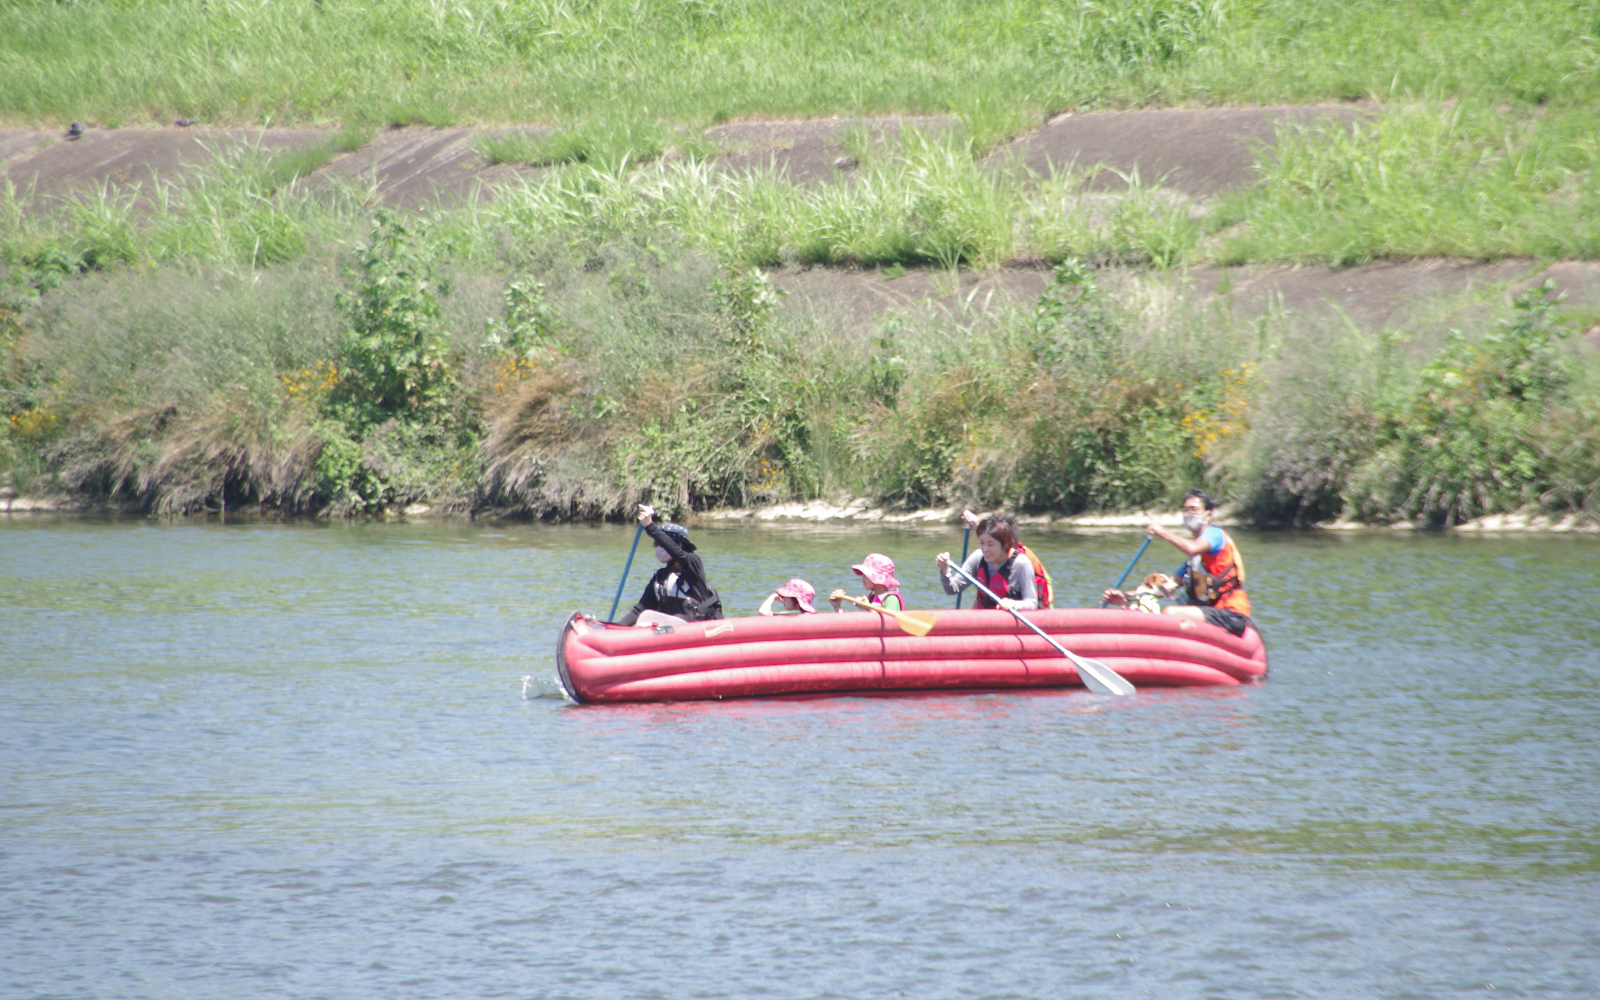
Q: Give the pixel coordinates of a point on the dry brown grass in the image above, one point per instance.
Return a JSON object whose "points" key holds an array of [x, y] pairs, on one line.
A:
{"points": [[170, 462], [542, 454]]}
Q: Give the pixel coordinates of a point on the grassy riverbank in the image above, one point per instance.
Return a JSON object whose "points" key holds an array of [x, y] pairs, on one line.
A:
{"points": [[572, 378]]}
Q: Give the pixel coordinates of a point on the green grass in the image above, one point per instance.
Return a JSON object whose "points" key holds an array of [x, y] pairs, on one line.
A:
{"points": [[927, 200], [998, 63], [1488, 150], [1463, 180], [242, 207]]}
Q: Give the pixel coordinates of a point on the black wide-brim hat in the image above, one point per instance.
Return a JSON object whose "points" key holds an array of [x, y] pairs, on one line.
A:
{"points": [[680, 534]]}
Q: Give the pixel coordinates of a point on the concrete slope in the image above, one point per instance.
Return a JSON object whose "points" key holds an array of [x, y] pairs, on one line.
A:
{"points": [[127, 162], [413, 167], [1201, 152], [1412, 294], [1197, 151], [1194, 154]]}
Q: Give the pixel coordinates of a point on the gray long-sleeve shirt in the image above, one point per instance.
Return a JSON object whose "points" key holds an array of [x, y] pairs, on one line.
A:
{"points": [[1019, 581]]}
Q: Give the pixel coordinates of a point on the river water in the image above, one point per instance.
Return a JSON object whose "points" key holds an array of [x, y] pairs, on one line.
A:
{"points": [[297, 760]]}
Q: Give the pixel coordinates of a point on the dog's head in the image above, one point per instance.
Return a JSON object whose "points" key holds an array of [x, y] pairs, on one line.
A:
{"points": [[1158, 583]]}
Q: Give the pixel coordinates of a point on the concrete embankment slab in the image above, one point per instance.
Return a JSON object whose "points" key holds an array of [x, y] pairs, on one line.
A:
{"points": [[814, 151], [1202, 152], [17, 144], [399, 167], [414, 167], [1197, 151], [131, 161], [1193, 154], [1394, 294]]}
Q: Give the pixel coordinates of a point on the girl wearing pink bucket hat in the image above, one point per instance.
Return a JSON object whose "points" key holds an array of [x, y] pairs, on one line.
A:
{"points": [[877, 571], [796, 597]]}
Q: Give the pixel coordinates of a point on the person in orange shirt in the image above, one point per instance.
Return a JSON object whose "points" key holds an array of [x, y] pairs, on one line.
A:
{"points": [[1212, 575]]}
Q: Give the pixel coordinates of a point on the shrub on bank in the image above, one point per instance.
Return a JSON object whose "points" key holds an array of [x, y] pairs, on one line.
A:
{"points": [[581, 378]]}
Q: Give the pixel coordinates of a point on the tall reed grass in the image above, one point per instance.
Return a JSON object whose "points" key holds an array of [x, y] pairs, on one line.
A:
{"points": [[245, 206]]}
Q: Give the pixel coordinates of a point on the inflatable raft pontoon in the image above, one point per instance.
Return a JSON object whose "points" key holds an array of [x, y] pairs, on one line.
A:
{"points": [[867, 652]]}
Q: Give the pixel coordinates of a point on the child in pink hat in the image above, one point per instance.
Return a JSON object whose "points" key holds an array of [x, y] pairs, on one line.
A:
{"points": [[877, 570], [796, 596]]}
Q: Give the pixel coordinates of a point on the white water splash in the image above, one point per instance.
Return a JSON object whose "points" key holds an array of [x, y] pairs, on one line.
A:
{"points": [[541, 686]]}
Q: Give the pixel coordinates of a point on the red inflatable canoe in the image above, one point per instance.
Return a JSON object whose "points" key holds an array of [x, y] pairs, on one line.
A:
{"points": [[866, 652]]}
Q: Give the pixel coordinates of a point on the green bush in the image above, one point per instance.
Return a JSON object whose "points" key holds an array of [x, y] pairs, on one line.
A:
{"points": [[1470, 439], [397, 359], [397, 426]]}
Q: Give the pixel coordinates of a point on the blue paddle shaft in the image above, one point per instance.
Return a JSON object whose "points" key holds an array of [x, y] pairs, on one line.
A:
{"points": [[1131, 564], [966, 536], [624, 581]]}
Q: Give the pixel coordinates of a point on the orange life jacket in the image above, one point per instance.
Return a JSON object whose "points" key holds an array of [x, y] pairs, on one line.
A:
{"points": [[1000, 582], [1218, 581], [1041, 576]]}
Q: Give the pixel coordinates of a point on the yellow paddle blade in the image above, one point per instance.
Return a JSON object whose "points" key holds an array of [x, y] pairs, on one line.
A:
{"points": [[913, 622], [917, 622]]}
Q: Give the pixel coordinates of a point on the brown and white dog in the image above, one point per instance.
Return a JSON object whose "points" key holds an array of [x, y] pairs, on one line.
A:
{"points": [[1147, 596]]}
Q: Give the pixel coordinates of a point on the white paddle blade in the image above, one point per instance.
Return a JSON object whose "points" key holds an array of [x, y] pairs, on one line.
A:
{"points": [[1101, 679]]}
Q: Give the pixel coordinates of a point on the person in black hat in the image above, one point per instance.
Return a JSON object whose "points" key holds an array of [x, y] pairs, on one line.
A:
{"points": [[679, 587]]}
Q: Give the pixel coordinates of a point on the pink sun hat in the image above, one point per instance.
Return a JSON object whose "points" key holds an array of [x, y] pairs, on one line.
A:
{"points": [[877, 568], [801, 591]]}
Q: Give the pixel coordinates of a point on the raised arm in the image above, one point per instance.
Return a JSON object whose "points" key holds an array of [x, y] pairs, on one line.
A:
{"points": [[1188, 546]]}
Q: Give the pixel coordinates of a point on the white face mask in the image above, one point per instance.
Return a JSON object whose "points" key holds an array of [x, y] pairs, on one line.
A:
{"points": [[1194, 522]]}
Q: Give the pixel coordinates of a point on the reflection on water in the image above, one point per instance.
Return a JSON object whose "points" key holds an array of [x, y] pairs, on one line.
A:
{"points": [[291, 760]]}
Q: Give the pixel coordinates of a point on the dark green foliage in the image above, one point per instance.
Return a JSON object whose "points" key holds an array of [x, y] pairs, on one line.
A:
{"points": [[1488, 425], [1469, 439], [1103, 435], [397, 357], [396, 428]]}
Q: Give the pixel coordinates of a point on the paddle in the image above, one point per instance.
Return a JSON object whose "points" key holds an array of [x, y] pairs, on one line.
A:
{"points": [[624, 581], [914, 622], [1131, 564], [1096, 676], [965, 537]]}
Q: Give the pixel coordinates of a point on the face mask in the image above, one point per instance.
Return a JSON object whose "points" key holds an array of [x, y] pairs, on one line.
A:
{"points": [[1193, 522]]}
